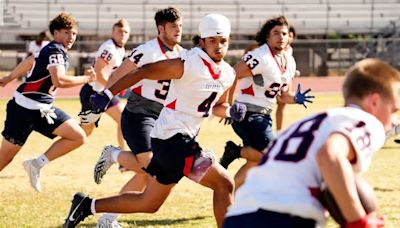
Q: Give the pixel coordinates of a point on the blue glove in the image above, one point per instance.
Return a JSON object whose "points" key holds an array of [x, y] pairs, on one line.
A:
{"points": [[237, 111], [100, 101], [301, 98]]}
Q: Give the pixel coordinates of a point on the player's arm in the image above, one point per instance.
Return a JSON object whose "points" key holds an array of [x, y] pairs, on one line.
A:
{"points": [[162, 70], [99, 67], [21, 69], [334, 163], [287, 95], [242, 70], [126, 67], [61, 80]]}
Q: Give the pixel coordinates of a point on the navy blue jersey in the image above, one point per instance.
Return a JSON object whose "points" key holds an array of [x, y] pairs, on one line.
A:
{"points": [[38, 86]]}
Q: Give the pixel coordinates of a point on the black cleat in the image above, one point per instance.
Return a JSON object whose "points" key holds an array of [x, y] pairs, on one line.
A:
{"points": [[231, 152], [80, 209]]}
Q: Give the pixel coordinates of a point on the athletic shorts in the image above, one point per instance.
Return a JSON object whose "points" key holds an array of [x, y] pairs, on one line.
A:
{"points": [[136, 130], [20, 122], [86, 92], [264, 219], [255, 130], [172, 158]]}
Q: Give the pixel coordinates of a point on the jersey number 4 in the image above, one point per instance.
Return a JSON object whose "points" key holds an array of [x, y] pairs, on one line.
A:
{"points": [[205, 106]]}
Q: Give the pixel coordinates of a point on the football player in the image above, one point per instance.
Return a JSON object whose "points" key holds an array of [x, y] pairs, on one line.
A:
{"points": [[144, 104], [266, 74], [199, 85], [331, 147], [31, 108], [109, 56]]}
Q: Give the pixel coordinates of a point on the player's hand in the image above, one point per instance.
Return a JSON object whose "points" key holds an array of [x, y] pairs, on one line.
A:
{"points": [[237, 112], [100, 101], [368, 221], [89, 117], [91, 73], [4, 81], [301, 98]]}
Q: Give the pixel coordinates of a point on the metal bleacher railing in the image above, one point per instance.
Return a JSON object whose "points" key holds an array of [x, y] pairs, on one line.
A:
{"points": [[374, 24]]}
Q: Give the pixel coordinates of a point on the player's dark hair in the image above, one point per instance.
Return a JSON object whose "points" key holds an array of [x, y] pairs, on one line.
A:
{"points": [[292, 30], [196, 40], [62, 21], [262, 35], [370, 76], [169, 14]]}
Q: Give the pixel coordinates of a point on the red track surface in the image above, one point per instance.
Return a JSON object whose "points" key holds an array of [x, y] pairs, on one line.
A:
{"points": [[317, 84]]}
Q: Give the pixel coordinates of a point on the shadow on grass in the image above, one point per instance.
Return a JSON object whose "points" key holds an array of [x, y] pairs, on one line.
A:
{"points": [[152, 222]]}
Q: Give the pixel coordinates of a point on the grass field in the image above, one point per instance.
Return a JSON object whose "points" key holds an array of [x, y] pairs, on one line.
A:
{"points": [[188, 206]]}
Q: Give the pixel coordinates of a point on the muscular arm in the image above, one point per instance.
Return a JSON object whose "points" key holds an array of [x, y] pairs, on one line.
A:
{"points": [[333, 161], [162, 70], [126, 67], [221, 106], [21, 69], [242, 70], [61, 80]]}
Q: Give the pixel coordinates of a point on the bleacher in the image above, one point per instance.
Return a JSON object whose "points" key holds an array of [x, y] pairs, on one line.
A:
{"points": [[309, 17]]}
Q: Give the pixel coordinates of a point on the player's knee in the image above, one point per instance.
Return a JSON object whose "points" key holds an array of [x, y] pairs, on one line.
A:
{"points": [[80, 138], [226, 184]]}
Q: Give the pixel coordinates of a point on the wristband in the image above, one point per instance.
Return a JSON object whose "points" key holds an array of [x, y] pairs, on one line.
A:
{"points": [[228, 112], [108, 93]]}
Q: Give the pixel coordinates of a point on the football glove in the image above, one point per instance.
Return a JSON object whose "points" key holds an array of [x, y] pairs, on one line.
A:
{"points": [[89, 117], [301, 98], [100, 101], [238, 111], [368, 220]]}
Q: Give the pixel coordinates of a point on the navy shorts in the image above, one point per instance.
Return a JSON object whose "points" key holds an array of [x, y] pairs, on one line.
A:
{"points": [[20, 122], [264, 219], [255, 130], [172, 158], [86, 92], [136, 130]]}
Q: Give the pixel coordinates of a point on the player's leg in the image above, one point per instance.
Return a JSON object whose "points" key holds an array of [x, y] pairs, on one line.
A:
{"points": [[72, 136], [219, 180], [260, 137], [17, 127], [279, 115], [8, 151], [115, 111], [138, 181]]}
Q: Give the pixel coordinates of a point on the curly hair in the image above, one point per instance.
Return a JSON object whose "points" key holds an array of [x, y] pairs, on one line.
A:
{"points": [[262, 35], [169, 14], [62, 21]]}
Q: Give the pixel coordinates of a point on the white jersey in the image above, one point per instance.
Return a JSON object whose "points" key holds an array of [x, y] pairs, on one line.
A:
{"points": [[269, 78], [150, 52], [288, 176], [192, 97], [35, 48], [113, 55]]}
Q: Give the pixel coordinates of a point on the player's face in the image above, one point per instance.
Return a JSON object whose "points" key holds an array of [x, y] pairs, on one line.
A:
{"points": [[291, 38], [66, 37], [121, 35], [278, 38], [386, 108], [216, 47], [171, 32]]}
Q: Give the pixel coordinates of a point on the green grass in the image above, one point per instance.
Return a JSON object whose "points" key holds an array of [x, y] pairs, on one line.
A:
{"points": [[188, 206]]}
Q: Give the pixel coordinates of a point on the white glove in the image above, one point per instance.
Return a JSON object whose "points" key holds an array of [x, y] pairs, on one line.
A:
{"points": [[89, 117], [49, 114]]}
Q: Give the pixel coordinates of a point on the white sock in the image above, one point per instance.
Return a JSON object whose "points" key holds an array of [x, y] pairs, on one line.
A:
{"points": [[115, 154], [42, 160], [93, 207], [110, 216]]}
